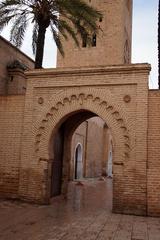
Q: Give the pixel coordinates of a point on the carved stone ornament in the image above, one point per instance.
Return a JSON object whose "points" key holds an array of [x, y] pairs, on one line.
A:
{"points": [[40, 100], [80, 98], [127, 98]]}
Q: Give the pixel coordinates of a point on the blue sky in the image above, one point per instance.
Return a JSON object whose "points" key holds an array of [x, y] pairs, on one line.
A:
{"points": [[144, 43]]}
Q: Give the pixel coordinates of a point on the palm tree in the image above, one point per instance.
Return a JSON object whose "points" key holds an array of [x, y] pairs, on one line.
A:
{"points": [[159, 44], [77, 19]]}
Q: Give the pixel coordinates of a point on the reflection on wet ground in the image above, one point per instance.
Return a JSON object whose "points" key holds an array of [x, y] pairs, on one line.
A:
{"points": [[92, 194], [84, 215]]}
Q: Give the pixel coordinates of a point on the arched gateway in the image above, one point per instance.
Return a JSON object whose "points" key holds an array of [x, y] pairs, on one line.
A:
{"points": [[36, 128], [115, 94]]}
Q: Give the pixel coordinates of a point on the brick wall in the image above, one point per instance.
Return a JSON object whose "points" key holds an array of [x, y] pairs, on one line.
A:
{"points": [[153, 173], [11, 118], [133, 177], [78, 137], [90, 134], [94, 154], [113, 41], [107, 149], [9, 53], [117, 94]]}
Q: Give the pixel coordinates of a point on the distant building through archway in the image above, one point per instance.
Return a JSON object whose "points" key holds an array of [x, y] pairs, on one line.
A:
{"points": [[78, 162]]}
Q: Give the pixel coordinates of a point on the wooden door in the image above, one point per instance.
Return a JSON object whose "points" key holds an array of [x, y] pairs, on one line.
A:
{"points": [[57, 164]]}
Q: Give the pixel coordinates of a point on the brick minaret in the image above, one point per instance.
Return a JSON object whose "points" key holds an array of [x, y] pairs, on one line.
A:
{"points": [[113, 43]]}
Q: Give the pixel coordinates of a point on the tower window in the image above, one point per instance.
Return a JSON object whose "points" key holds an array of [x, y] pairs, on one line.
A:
{"points": [[94, 40], [100, 19], [84, 41]]}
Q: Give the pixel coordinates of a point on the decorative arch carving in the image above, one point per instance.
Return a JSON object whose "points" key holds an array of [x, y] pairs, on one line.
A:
{"points": [[104, 106]]}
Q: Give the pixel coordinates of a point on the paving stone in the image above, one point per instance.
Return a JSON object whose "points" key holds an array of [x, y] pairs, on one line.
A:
{"points": [[59, 221]]}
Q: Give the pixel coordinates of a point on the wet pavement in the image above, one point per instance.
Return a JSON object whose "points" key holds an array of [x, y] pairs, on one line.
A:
{"points": [[85, 215]]}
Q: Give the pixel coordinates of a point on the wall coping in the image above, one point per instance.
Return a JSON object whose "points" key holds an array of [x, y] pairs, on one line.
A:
{"points": [[17, 49], [93, 70], [154, 90]]}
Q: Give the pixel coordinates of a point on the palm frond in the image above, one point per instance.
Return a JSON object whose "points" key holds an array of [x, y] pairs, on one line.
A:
{"points": [[57, 40], [18, 30], [34, 38], [64, 28], [77, 20], [4, 21], [7, 4], [80, 16]]}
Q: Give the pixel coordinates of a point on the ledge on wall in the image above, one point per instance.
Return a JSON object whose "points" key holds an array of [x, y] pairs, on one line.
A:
{"points": [[140, 67]]}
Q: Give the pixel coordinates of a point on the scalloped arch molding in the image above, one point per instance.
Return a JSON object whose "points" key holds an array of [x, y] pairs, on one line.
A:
{"points": [[108, 112]]}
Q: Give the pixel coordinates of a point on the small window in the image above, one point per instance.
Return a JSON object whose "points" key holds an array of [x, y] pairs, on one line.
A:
{"points": [[94, 40], [84, 41], [100, 19]]}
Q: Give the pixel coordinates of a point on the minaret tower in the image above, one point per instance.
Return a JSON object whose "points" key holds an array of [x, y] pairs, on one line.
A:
{"points": [[111, 46]]}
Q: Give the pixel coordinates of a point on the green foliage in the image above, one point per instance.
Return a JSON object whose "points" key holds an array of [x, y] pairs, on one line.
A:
{"points": [[65, 18]]}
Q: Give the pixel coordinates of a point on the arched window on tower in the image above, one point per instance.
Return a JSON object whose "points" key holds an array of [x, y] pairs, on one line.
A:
{"points": [[84, 41], [100, 19], [94, 40]]}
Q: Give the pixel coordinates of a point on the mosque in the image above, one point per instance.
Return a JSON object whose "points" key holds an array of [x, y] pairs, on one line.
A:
{"points": [[91, 117]]}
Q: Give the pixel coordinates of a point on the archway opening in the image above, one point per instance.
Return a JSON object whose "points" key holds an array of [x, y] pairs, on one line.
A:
{"points": [[78, 162], [81, 150]]}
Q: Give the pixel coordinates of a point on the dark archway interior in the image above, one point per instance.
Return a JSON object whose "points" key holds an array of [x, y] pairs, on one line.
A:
{"points": [[57, 164], [61, 138], [60, 174]]}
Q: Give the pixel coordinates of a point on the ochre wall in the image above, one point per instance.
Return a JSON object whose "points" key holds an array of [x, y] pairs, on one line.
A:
{"points": [[9, 53], [78, 137], [11, 119], [92, 137], [94, 154], [153, 172], [107, 148]]}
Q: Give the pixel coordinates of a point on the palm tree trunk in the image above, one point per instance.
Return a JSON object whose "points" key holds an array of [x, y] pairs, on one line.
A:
{"points": [[40, 46], [159, 44]]}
